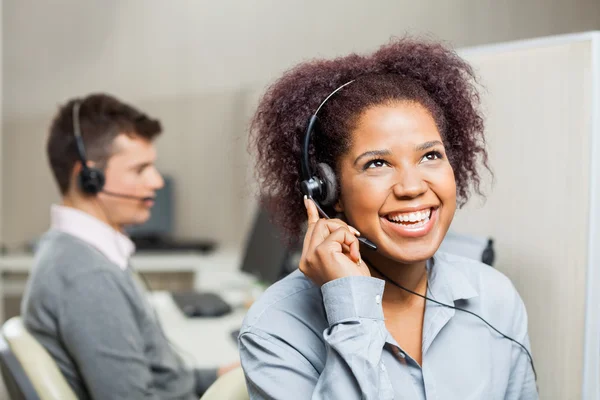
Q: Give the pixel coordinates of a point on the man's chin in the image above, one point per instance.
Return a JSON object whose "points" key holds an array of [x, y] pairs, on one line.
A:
{"points": [[140, 220]]}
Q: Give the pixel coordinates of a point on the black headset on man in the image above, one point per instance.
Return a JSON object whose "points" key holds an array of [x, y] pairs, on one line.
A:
{"points": [[321, 187], [91, 180]]}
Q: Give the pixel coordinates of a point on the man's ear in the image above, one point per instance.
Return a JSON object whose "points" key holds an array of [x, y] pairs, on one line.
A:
{"points": [[74, 182], [75, 171]]}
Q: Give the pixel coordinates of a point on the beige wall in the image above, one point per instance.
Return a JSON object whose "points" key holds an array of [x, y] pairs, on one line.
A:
{"points": [[198, 65], [538, 105]]}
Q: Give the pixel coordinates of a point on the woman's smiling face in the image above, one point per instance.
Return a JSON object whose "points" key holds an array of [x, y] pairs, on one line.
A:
{"points": [[396, 184]]}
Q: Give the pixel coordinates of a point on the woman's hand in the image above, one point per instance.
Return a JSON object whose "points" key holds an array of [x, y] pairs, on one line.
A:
{"points": [[331, 249]]}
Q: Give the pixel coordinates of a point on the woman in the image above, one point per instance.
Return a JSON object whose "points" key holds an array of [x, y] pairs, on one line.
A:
{"points": [[395, 147]]}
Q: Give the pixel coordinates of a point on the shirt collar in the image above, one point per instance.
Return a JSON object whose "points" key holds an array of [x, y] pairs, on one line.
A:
{"points": [[447, 280], [445, 283], [114, 245]]}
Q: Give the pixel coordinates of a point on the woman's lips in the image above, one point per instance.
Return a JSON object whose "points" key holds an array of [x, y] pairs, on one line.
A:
{"points": [[412, 226]]}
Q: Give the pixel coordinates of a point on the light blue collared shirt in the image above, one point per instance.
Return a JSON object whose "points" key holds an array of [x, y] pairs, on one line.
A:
{"points": [[300, 341]]}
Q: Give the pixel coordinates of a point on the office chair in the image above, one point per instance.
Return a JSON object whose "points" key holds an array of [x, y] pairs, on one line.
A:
{"points": [[231, 386], [15, 380], [480, 248], [28, 370]]}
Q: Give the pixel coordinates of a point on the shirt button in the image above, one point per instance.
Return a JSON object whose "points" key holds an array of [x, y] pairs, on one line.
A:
{"points": [[401, 357], [382, 367], [398, 353], [378, 299]]}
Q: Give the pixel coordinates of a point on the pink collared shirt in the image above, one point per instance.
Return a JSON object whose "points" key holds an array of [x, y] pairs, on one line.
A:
{"points": [[113, 244]]}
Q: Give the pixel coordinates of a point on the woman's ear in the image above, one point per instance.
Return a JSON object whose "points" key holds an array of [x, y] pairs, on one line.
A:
{"points": [[338, 206]]}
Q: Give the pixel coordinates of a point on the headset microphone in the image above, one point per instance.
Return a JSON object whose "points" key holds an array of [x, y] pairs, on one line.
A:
{"points": [[321, 187], [128, 196]]}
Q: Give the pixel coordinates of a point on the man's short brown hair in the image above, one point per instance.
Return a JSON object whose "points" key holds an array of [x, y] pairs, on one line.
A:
{"points": [[102, 118]]}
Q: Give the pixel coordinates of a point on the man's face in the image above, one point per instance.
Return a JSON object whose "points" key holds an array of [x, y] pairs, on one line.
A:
{"points": [[130, 171]]}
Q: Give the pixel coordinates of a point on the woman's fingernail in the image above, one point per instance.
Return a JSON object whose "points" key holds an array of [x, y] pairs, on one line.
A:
{"points": [[359, 261], [353, 230]]}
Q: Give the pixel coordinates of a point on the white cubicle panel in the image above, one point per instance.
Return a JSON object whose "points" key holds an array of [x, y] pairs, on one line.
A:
{"points": [[541, 100]]}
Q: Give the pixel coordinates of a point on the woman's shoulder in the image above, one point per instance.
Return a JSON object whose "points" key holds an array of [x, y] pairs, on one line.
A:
{"points": [[486, 280], [292, 300], [495, 293]]}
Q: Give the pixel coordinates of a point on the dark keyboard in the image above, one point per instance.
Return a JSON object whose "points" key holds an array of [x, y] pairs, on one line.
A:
{"points": [[156, 243], [201, 304]]}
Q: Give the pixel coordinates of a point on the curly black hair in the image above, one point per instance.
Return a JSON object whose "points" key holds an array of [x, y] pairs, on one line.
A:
{"points": [[405, 69]]}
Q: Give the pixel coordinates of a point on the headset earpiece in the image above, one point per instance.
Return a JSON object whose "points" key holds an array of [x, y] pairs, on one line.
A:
{"points": [[91, 180], [328, 183], [321, 186]]}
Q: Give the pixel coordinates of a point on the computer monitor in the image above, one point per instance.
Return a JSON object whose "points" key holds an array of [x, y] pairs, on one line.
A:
{"points": [[267, 256]]}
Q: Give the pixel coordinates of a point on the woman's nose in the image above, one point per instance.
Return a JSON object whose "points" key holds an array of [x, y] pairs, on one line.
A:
{"points": [[409, 184]]}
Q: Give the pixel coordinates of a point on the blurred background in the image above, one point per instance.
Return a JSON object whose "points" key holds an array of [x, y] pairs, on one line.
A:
{"points": [[200, 68]]}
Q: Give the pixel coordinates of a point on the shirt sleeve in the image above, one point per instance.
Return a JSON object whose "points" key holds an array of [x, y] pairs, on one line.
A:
{"points": [[521, 384], [98, 330], [355, 339]]}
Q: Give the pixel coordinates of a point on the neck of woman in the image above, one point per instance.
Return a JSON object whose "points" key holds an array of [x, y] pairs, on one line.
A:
{"points": [[411, 276]]}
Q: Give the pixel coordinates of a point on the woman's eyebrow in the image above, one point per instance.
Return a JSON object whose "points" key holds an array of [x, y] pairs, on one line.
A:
{"points": [[427, 145], [373, 153]]}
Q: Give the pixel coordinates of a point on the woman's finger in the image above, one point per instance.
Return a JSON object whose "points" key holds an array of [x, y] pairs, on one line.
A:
{"points": [[322, 229], [313, 218], [343, 237]]}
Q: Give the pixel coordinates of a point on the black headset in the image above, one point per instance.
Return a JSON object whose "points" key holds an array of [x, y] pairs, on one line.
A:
{"points": [[322, 188], [91, 180]]}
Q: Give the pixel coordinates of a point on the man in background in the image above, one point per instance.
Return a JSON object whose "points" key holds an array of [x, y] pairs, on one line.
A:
{"points": [[83, 302]]}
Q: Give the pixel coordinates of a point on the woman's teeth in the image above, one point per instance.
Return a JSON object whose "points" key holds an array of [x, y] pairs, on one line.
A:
{"points": [[414, 219]]}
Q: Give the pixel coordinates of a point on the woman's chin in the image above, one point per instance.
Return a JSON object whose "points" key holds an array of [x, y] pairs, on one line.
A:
{"points": [[412, 257], [409, 251]]}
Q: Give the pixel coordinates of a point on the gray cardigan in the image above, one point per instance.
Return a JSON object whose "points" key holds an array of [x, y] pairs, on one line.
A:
{"points": [[94, 320]]}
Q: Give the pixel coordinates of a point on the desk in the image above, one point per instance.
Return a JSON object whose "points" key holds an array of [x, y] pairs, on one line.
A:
{"points": [[217, 271], [206, 342], [202, 342]]}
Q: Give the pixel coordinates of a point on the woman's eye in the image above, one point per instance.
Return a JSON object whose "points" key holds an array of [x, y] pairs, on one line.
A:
{"points": [[375, 164], [432, 155]]}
